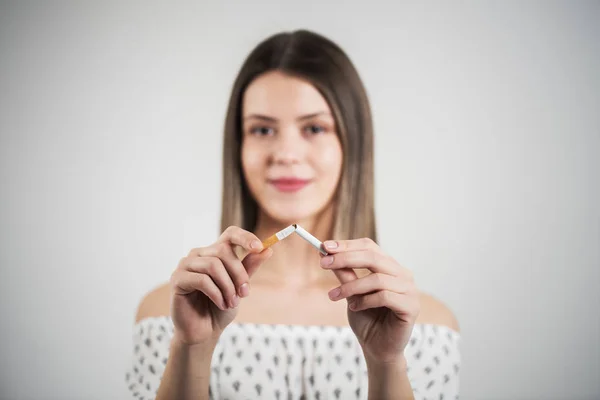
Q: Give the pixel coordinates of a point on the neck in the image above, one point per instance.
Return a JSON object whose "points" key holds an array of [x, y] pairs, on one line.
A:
{"points": [[295, 263]]}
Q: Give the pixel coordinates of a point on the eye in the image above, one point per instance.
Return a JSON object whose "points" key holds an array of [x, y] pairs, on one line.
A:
{"points": [[315, 129], [261, 131]]}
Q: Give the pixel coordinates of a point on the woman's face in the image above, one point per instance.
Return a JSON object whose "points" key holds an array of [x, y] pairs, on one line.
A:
{"points": [[291, 153]]}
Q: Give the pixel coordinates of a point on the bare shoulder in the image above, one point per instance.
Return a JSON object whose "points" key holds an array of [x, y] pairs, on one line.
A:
{"points": [[433, 311], [155, 303]]}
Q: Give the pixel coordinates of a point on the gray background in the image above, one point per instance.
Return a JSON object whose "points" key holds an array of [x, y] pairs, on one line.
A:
{"points": [[487, 138]]}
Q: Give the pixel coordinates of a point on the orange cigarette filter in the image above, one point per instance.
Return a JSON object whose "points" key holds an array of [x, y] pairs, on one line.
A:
{"points": [[282, 234]]}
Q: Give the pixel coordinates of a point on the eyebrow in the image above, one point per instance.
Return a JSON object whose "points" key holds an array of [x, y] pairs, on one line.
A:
{"points": [[271, 119]]}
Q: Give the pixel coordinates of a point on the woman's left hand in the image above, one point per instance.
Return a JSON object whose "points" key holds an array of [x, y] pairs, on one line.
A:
{"points": [[383, 305]]}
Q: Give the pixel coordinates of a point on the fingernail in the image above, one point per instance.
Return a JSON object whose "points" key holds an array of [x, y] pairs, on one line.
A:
{"points": [[235, 301], [352, 304], [244, 290], [330, 244], [326, 260], [256, 244], [335, 293]]}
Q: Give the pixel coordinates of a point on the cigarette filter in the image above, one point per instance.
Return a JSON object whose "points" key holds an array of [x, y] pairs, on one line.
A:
{"points": [[282, 234], [309, 238]]}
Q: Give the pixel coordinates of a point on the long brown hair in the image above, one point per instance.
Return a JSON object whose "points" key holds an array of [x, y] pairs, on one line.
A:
{"points": [[324, 64]]}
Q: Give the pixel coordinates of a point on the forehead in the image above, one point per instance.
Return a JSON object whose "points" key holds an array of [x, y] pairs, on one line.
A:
{"points": [[279, 95]]}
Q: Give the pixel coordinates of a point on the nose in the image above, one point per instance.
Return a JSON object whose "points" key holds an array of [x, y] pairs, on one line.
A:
{"points": [[287, 148]]}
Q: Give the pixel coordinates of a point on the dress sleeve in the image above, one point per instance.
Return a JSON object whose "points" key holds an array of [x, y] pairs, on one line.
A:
{"points": [[151, 340], [435, 364]]}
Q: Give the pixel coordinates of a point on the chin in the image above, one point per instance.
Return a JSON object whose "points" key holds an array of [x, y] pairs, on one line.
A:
{"points": [[288, 215]]}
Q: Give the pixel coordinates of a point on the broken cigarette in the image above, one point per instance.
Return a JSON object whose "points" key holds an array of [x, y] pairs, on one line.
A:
{"points": [[282, 234], [309, 238]]}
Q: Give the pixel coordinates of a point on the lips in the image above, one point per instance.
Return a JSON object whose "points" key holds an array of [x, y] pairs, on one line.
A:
{"points": [[289, 185]]}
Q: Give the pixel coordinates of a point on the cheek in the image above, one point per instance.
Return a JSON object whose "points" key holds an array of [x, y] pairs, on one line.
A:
{"points": [[250, 157], [251, 161], [329, 159]]}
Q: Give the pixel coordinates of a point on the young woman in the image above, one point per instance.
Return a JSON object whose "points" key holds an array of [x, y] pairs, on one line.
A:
{"points": [[237, 321]]}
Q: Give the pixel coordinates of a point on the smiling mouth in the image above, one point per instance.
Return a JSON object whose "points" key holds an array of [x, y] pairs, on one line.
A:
{"points": [[289, 185]]}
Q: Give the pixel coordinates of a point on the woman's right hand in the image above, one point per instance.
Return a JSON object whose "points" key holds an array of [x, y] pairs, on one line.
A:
{"points": [[208, 284]]}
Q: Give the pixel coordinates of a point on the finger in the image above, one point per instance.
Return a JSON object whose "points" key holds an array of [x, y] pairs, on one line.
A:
{"points": [[186, 282], [338, 246], [232, 264], [214, 267], [401, 304], [369, 284], [345, 275], [241, 237], [252, 261], [372, 260]]}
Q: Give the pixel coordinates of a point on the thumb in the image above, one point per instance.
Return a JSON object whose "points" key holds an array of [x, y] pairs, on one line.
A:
{"points": [[254, 260], [345, 275]]}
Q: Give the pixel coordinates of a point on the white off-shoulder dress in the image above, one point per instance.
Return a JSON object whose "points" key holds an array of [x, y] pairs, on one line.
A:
{"points": [[292, 362]]}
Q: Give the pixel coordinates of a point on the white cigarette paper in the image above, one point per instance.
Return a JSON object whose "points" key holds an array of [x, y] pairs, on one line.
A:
{"points": [[282, 234], [310, 238]]}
